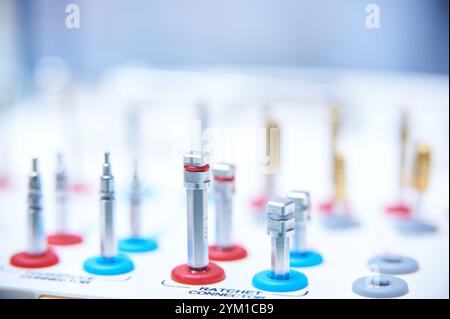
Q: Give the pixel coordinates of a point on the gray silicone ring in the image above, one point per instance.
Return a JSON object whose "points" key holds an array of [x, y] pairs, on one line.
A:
{"points": [[390, 286], [393, 264]]}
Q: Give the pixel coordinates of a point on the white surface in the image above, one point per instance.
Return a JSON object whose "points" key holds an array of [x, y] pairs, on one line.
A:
{"points": [[299, 102]]}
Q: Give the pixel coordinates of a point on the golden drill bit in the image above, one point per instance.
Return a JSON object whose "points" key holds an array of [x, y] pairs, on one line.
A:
{"points": [[421, 168], [273, 143], [335, 124], [272, 154], [339, 177], [404, 138]]}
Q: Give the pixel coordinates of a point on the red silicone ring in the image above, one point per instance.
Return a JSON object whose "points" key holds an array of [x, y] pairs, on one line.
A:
{"points": [[223, 179], [191, 168], [64, 239], [235, 252], [259, 204], [5, 182], [79, 188], [399, 209], [183, 274], [25, 260], [326, 207]]}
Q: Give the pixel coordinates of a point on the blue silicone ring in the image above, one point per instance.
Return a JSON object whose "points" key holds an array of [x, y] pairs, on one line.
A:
{"points": [[308, 258], [118, 265], [264, 280], [137, 245]]}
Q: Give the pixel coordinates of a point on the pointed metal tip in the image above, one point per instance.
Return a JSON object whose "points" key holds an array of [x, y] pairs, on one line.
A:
{"points": [[60, 159], [35, 164], [135, 167], [107, 165], [107, 158]]}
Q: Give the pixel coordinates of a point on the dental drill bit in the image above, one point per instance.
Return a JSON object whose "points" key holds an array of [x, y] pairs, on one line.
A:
{"points": [[36, 244], [198, 270], [196, 182], [416, 224], [223, 195], [107, 211], [335, 125], [404, 139], [61, 196], [339, 178], [280, 227], [135, 204], [302, 217], [421, 173], [273, 155]]}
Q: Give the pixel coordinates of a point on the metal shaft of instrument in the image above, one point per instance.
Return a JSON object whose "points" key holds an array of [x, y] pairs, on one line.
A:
{"points": [[280, 227], [196, 182], [417, 211], [280, 257], [36, 242], [61, 197], [135, 207], [224, 209], [302, 216], [299, 240], [107, 211], [197, 207]]}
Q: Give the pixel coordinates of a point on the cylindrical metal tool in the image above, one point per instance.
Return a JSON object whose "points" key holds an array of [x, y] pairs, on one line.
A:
{"points": [[107, 211], [135, 205], [302, 217], [36, 244], [196, 182], [280, 227], [223, 175], [61, 196]]}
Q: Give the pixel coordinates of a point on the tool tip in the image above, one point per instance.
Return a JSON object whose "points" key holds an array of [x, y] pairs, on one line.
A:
{"points": [[35, 164], [107, 165], [107, 158], [60, 159], [135, 167]]}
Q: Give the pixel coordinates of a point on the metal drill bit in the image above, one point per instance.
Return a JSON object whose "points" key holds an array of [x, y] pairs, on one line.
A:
{"points": [[61, 196], [280, 227], [196, 182], [107, 211], [135, 204], [223, 174], [302, 217], [36, 244]]}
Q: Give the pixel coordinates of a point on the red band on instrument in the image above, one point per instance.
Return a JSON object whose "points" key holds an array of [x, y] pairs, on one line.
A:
{"points": [[191, 168], [224, 179]]}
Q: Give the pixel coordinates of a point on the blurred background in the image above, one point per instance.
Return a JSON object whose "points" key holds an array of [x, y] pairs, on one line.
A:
{"points": [[133, 74], [148, 80], [413, 35]]}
